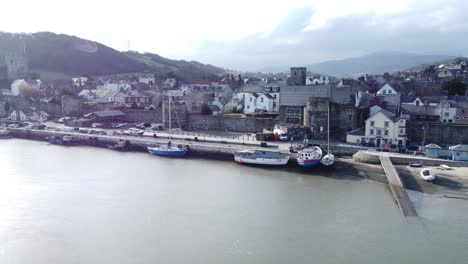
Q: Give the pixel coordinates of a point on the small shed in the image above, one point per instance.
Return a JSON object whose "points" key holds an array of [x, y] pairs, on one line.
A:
{"points": [[459, 152], [432, 150]]}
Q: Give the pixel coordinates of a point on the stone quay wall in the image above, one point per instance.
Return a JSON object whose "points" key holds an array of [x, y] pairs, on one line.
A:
{"points": [[230, 123]]}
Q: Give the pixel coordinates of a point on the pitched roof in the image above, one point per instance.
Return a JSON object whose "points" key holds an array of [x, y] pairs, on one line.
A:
{"points": [[432, 146], [107, 113], [299, 95], [357, 132], [420, 110], [459, 147], [386, 113]]}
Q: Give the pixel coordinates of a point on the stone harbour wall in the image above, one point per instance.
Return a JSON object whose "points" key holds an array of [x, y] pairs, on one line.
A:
{"points": [[230, 123]]}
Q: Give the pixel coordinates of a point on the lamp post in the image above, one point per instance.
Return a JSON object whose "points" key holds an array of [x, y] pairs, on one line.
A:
{"points": [[424, 139]]}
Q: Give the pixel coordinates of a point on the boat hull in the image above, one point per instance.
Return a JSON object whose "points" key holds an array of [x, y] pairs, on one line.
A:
{"points": [[167, 152], [427, 175], [262, 161], [308, 163]]}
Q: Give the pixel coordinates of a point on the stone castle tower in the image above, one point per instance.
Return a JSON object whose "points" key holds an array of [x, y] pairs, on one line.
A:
{"points": [[13, 58], [298, 76]]}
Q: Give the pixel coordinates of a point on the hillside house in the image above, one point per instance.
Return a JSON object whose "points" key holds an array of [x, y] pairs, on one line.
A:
{"points": [[389, 98], [259, 96]]}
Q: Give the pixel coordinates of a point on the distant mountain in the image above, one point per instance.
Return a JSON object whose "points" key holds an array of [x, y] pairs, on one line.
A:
{"points": [[374, 63], [63, 55]]}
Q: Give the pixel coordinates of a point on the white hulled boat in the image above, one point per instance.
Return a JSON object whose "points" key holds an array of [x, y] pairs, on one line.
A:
{"points": [[261, 157]]}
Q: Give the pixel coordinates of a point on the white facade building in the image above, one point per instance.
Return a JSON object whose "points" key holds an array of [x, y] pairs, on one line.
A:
{"points": [[381, 128], [447, 112], [17, 85]]}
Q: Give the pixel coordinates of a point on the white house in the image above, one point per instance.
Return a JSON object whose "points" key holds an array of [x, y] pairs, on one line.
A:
{"points": [[259, 96], [147, 80], [17, 85], [382, 128], [249, 101], [386, 89], [317, 80], [79, 81], [447, 112], [18, 115], [115, 86], [29, 115]]}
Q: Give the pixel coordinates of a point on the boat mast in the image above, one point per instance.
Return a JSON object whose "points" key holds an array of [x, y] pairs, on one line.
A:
{"points": [[170, 132], [328, 127]]}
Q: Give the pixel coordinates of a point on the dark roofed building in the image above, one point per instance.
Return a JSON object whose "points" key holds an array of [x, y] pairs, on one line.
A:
{"points": [[106, 115]]}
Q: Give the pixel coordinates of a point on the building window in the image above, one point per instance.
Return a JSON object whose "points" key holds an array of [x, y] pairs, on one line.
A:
{"points": [[446, 114], [401, 131], [250, 99], [379, 132], [350, 117], [386, 132], [386, 124], [371, 132], [372, 123], [261, 99], [248, 107], [417, 103]]}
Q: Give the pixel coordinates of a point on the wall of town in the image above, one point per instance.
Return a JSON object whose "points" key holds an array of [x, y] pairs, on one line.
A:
{"points": [[230, 123], [437, 133]]}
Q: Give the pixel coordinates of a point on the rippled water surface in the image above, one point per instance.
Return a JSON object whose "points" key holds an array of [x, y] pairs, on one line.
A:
{"points": [[87, 205]]}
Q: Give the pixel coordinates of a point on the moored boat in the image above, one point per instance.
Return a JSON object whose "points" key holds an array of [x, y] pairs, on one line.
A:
{"points": [[309, 157], [4, 134], [427, 174], [121, 145], [261, 157], [168, 150], [328, 159]]}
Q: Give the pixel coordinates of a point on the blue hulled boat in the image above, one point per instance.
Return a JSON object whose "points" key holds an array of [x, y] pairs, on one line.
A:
{"points": [[309, 157], [168, 150]]}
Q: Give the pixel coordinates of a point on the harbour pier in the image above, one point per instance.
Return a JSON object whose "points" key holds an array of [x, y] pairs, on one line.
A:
{"points": [[396, 186]]}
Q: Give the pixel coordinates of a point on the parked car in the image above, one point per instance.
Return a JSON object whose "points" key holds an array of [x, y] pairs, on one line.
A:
{"points": [[13, 125], [96, 125], [135, 132], [41, 126], [157, 127], [283, 137]]}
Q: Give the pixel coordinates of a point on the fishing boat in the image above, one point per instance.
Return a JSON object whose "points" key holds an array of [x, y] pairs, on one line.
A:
{"points": [[261, 157], [427, 174], [309, 157], [167, 149], [329, 158]]}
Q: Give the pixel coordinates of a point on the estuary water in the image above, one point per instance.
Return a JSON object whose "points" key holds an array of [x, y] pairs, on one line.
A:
{"points": [[88, 205]]}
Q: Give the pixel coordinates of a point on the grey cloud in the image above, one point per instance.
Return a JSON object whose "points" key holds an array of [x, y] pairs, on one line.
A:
{"points": [[436, 28]]}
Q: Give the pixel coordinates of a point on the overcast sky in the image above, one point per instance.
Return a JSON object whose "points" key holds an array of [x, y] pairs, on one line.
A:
{"points": [[252, 34]]}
